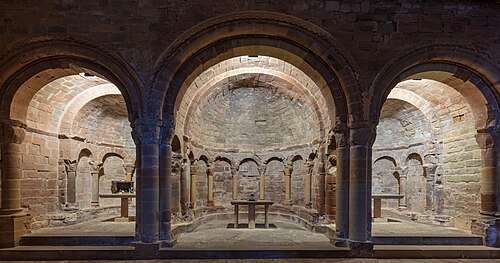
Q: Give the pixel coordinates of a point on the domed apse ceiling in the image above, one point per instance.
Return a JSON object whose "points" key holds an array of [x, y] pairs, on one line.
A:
{"points": [[83, 106], [253, 104]]}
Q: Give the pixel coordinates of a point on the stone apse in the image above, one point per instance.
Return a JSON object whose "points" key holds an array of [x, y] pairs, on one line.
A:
{"points": [[315, 106]]}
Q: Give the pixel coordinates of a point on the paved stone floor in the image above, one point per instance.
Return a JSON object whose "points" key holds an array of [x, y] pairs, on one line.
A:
{"points": [[304, 260], [282, 235]]}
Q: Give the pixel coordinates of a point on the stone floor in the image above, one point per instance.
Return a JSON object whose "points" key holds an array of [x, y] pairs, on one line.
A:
{"points": [[217, 236], [303, 260]]}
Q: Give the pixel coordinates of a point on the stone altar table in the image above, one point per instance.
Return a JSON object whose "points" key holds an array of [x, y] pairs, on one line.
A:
{"points": [[377, 202], [124, 204], [251, 211]]}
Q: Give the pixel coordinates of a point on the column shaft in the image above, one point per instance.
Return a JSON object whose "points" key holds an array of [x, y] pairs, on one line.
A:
{"points": [[342, 201], [11, 177], [262, 188], [95, 188], [165, 192], [149, 194], [359, 197]]}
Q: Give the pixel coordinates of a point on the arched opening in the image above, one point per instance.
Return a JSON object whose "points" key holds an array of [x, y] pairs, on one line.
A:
{"points": [[252, 99], [433, 123], [71, 110]]}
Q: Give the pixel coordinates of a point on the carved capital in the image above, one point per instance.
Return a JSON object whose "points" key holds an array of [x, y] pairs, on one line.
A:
{"points": [[146, 131], [234, 170], [194, 168], [12, 131], [340, 136], [210, 168], [485, 138], [70, 165], [288, 169], [167, 133], [95, 167], [129, 168], [362, 134]]}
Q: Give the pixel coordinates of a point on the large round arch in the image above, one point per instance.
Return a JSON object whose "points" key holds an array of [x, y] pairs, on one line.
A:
{"points": [[64, 56], [304, 45], [464, 62]]}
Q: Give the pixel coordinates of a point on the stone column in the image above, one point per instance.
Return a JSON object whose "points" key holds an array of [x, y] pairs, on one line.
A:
{"points": [[194, 173], [342, 192], [319, 186], [185, 185], [71, 169], [210, 174], [129, 171], [146, 136], [94, 171], [330, 187], [403, 179], [262, 182], [165, 185], [361, 139], [12, 215], [497, 171], [234, 174], [308, 201], [486, 142], [288, 182]]}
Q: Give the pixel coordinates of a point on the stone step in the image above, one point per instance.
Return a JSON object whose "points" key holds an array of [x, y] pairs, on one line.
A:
{"points": [[402, 251], [128, 252], [463, 240], [41, 240]]}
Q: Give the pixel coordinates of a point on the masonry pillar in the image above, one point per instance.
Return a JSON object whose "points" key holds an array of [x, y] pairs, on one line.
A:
{"points": [[234, 175], [486, 142], [185, 185], [262, 181], [12, 215], [194, 173], [71, 167], [361, 140], [402, 187], [330, 189], [210, 174], [342, 192], [319, 184], [309, 166], [94, 171], [146, 136], [165, 185], [497, 171], [288, 182]]}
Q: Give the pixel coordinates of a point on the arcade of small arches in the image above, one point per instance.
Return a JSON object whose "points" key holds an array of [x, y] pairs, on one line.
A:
{"points": [[268, 117]]}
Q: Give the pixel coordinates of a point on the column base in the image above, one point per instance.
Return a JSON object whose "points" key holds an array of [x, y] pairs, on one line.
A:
{"points": [[94, 204], [168, 243], [147, 250], [11, 227], [339, 242], [288, 202], [488, 213], [361, 249], [210, 203], [309, 205]]}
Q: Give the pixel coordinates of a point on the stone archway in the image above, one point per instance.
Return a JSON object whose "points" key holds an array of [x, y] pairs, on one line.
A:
{"points": [[180, 73], [468, 77], [27, 71]]}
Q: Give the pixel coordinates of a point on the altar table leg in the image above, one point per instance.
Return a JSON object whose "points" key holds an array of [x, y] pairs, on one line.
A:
{"points": [[123, 210], [236, 214], [266, 216], [377, 207], [251, 216]]}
